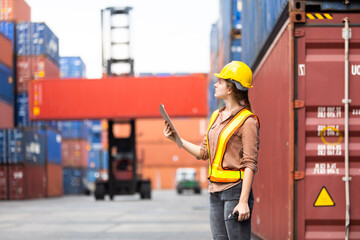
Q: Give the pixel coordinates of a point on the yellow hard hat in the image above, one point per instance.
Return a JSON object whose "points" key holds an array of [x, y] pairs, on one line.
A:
{"points": [[239, 72]]}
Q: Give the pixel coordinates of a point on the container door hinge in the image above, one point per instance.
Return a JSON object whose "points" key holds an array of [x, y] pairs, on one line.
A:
{"points": [[299, 175], [299, 104], [299, 33]]}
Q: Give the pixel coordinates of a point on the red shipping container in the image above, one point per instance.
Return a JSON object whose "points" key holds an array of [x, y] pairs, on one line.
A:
{"points": [[54, 183], [14, 10], [152, 130], [3, 182], [26, 181], [34, 68], [125, 97], [6, 115], [74, 153], [6, 54], [165, 177], [298, 95]]}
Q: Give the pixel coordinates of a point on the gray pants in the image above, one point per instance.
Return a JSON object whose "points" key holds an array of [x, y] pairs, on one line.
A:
{"points": [[223, 224]]}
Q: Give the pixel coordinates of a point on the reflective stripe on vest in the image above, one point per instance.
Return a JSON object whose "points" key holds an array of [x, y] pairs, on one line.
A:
{"points": [[216, 171]]}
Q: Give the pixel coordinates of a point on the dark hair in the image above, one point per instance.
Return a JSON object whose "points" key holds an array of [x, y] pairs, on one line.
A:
{"points": [[238, 94]]}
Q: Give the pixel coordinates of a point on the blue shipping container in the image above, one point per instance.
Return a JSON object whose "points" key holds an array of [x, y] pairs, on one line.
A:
{"points": [[6, 84], [236, 14], [7, 29], [3, 146], [104, 164], [260, 17], [236, 50], [73, 180], [72, 67], [74, 129], [92, 175], [15, 146], [35, 39], [258, 21], [22, 145], [94, 159], [53, 145]]}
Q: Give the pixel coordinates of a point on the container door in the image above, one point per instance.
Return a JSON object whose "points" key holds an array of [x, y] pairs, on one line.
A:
{"points": [[320, 195]]}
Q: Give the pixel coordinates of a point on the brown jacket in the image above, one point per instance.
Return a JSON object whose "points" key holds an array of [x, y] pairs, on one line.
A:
{"points": [[242, 148]]}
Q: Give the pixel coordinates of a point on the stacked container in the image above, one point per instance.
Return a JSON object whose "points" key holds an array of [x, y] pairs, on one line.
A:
{"points": [[96, 160], [14, 10], [37, 58], [23, 152], [225, 44], [54, 176], [72, 67], [6, 75], [75, 144], [159, 158]]}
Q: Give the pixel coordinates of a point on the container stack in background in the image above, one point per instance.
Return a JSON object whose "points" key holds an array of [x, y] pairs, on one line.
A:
{"points": [[75, 136], [37, 58], [24, 173], [225, 44], [98, 160], [6, 74], [159, 158]]}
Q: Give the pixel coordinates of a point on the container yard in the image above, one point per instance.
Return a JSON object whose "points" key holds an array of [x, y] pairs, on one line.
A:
{"points": [[82, 148]]}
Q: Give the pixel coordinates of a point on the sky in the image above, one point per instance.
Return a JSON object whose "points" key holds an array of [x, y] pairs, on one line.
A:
{"points": [[167, 36]]}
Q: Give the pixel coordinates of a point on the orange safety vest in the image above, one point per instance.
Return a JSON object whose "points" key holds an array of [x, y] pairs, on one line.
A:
{"points": [[216, 171]]}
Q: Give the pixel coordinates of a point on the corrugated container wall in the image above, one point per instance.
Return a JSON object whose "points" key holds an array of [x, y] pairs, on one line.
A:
{"points": [[263, 18], [36, 39], [6, 53], [298, 95], [34, 68], [14, 10], [102, 98], [7, 115], [72, 67], [4, 186]]}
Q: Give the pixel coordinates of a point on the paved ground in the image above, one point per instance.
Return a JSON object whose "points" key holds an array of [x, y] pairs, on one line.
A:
{"points": [[166, 216]]}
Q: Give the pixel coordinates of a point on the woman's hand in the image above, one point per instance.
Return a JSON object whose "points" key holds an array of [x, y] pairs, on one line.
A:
{"points": [[168, 132], [244, 211]]}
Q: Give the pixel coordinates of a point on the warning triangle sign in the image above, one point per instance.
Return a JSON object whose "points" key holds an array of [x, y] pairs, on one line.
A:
{"points": [[324, 199]]}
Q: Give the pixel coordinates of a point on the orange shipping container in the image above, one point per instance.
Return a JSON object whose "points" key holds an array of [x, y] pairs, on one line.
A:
{"points": [[6, 55], [151, 130], [166, 155], [14, 10], [165, 177], [6, 115], [54, 174], [74, 153]]}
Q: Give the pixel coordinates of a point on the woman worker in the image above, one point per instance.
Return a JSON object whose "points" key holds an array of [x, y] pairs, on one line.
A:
{"points": [[231, 145]]}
